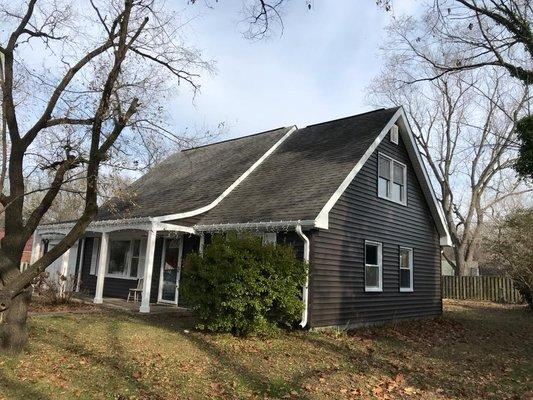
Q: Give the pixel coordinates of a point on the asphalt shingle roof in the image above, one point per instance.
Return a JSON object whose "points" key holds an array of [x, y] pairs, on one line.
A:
{"points": [[296, 181], [191, 178], [293, 183]]}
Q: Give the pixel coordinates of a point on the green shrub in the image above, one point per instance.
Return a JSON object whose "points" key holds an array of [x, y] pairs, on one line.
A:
{"points": [[243, 287]]}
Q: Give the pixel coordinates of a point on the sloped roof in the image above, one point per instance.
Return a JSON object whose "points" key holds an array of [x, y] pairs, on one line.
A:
{"points": [[297, 180], [191, 179]]}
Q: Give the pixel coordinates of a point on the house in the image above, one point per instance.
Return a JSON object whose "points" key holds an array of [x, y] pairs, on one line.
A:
{"points": [[26, 253], [352, 195]]}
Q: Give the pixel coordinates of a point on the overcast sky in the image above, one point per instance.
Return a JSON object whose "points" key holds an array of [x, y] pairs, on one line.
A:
{"points": [[316, 71]]}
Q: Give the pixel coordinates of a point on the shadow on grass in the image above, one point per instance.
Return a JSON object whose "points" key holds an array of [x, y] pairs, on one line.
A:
{"points": [[113, 359], [21, 389], [371, 353]]}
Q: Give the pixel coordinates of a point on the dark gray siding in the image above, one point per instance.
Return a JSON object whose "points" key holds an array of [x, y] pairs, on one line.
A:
{"points": [[113, 287], [337, 294]]}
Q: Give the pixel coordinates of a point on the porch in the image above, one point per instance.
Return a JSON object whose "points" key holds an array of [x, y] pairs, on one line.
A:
{"points": [[119, 304], [116, 258]]}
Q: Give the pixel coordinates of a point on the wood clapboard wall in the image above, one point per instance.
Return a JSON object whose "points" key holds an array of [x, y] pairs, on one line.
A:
{"points": [[494, 288]]}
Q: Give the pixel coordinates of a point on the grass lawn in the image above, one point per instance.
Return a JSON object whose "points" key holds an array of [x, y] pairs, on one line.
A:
{"points": [[476, 350]]}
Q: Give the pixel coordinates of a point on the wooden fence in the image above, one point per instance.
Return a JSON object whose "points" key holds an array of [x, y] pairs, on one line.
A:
{"points": [[494, 288]]}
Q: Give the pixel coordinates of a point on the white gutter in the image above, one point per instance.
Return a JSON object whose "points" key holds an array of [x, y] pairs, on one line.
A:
{"points": [[305, 290], [255, 225]]}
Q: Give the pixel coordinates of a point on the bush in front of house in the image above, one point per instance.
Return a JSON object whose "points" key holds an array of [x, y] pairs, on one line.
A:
{"points": [[242, 287]]}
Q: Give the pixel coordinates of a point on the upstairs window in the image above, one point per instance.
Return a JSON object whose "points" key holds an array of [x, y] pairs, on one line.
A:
{"points": [[373, 267], [406, 269], [392, 179]]}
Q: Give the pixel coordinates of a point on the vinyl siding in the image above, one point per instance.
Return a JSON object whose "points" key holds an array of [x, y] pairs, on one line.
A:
{"points": [[337, 280]]}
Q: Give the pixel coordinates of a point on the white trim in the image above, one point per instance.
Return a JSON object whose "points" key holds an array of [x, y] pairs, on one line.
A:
{"points": [[271, 225], [411, 268], [101, 269], [305, 289], [322, 220], [232, 186], [391, 171], [143, 224], [148, 269], [379, 245]]}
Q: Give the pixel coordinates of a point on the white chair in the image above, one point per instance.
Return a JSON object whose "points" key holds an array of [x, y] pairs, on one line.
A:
{"points": [[136, 291]]}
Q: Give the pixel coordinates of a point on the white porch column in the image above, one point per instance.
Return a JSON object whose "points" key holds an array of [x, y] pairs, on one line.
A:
{"points": [[36, 248], [148, 269], [102, 261], [64, 270], [201, 245]]}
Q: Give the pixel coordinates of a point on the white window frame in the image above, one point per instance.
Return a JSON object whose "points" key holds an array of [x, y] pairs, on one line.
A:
{"points": [[127, 271], [410, 268], [379, 245], [391, 181], [129, 256]]}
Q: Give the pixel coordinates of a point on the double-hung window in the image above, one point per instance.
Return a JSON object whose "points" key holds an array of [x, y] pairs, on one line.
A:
{"points": [[373, 267], [406, 269], [392, 177]]}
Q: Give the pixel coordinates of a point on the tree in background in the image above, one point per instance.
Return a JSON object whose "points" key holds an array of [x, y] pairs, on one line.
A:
{"points": [[465, 126], [524, 130], [87, 107], [479, 33], [510, 247]]}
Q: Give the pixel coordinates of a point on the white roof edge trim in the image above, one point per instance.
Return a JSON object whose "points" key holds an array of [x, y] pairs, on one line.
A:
{"points": [[255, 225], [143, 223], [233, 185], [322, 220], [425, 182]]}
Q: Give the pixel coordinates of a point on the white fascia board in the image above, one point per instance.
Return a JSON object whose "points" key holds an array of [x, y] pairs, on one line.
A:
{"points": [[114, 225], [425, 182], [255, 225], [322, 220], [208, 207]]}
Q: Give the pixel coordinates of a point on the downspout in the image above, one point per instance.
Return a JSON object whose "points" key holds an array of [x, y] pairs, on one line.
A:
{"points": [[305, 290]]}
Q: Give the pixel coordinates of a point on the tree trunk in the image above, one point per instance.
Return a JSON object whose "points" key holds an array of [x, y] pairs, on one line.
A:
{"points": [[13, 329]]}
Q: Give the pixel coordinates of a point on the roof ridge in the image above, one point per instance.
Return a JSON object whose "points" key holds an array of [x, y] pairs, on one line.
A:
{"points": [[351, 116], [237, 138]]}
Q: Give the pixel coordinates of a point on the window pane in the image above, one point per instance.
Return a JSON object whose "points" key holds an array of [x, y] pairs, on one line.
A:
{"points": [[117, 256], [397, 192], [404, 258], [371, 254], [372, 276], [136, 248], [383, 187], [405, 278], [384, 167], [398, 173]]}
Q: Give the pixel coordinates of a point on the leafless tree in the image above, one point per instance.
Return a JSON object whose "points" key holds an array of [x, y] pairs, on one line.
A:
{"points": [[480, 33], [68, 116], [464, 123]]}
